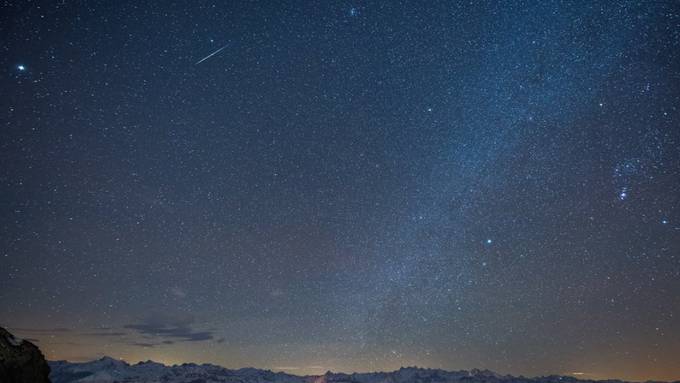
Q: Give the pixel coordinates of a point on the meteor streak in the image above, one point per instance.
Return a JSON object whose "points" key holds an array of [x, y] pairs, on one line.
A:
{"points": [[210, 55]]}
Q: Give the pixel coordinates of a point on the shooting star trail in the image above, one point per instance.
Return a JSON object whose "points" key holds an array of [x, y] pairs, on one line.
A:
{"points": [[210, 55]]}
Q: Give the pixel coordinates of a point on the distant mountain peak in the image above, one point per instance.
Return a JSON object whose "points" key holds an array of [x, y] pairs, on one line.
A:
{"points": [[110, 359], [109, 370], [486, 373]]}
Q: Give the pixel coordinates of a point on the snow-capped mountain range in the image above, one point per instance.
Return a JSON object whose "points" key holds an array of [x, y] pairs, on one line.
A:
{"points": [[109, 370]]}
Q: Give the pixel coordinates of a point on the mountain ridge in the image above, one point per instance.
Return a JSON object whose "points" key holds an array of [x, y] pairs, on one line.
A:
{"points": [[110, 370], [21, 361]]}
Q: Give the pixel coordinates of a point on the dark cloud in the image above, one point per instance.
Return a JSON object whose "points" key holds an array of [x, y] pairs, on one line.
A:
{"points": [[171, 328], [182, 333], [114, 333], [151, 344], [42, 330]]}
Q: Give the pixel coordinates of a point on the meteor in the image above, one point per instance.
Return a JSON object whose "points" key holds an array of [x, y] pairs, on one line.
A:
{"points": [[210, 55]]}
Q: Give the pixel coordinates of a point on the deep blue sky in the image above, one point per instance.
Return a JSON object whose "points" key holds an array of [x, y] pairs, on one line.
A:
{"points": [[345, 185]]}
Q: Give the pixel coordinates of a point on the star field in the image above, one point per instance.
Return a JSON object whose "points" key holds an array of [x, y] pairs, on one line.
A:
{"points": [[344, 186]]}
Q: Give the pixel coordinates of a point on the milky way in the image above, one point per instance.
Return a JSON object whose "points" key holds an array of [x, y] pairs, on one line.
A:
{"points": [[353, 187]]}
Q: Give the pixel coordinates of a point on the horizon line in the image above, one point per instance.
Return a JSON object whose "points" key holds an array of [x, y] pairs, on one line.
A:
{"points": [[576, 375]]}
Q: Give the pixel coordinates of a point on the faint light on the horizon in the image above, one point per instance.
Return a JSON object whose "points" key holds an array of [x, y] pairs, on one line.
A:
{"points": [[300, 369]]}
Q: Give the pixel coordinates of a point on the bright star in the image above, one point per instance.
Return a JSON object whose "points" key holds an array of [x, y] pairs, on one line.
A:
{"points": [[21, 67], [489, 241], [664, 221]]}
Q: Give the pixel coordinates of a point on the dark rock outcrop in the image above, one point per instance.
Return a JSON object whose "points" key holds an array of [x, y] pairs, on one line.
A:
{"points": [[21, 361]]}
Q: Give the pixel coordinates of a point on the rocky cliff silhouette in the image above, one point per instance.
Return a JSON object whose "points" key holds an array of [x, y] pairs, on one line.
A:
{"points": [[21, 361]]}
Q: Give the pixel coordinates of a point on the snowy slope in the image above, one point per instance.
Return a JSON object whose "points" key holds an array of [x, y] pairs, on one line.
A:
{"points": [[108, 370]]}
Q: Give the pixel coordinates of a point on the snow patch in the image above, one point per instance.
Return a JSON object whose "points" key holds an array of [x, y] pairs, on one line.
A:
{"points": [[14, 341]]}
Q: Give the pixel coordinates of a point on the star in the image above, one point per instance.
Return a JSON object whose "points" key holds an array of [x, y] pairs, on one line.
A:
{"points": [[21, 68]]}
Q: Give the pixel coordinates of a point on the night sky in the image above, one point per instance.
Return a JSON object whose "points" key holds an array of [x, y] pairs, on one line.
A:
{"points": [[346, 186]]}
